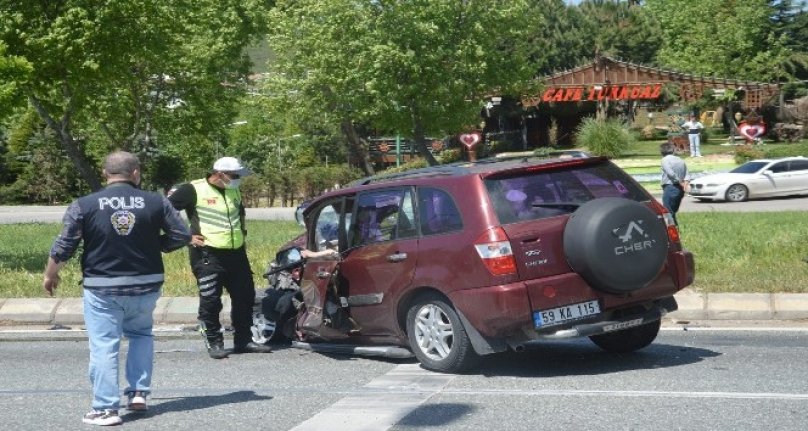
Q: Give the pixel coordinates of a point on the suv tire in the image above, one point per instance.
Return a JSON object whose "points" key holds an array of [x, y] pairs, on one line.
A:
{"points": [[437, 337], [617, 245], [628, 340]]}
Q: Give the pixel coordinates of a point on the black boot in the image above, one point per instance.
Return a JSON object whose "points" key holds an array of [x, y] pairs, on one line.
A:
{"points": [[252, 348], [216, 350]]}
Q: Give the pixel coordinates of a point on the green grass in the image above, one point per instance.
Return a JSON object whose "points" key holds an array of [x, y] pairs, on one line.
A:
{"points": [[748, 252], [24, 252], [735, 252]]}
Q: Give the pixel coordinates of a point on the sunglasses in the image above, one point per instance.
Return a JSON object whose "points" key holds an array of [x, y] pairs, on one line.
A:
{"points": [[232, 175]]}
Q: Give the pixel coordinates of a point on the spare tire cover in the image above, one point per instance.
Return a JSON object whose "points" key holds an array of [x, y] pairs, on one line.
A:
{"points": [[617, 245]]}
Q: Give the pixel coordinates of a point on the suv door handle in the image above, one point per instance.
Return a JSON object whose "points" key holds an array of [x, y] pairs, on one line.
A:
{"points": [[397, 257], [323, 274]]}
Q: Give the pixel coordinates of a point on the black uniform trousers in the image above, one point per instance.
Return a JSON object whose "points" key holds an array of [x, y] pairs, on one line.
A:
{"points": [[216, 269]]}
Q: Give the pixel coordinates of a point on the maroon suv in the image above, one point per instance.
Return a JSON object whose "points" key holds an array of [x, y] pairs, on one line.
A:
{"points": [[459, 261]]}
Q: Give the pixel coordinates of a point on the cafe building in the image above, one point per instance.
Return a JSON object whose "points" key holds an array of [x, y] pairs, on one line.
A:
{"points": [[606, 87]]}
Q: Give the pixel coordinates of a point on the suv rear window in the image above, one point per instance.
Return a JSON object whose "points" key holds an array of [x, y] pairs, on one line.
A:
{"points": [[547, 193]]}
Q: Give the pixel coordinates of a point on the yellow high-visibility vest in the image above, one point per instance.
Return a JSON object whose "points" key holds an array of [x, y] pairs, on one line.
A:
{"points": [[219, 220]]}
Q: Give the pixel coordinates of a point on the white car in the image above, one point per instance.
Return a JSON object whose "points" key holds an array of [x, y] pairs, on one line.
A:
{"points": [[755, 179]]}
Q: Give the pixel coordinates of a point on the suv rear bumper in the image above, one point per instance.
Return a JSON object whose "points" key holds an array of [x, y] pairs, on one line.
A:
{"points": [[625, 321], [504, 311]]}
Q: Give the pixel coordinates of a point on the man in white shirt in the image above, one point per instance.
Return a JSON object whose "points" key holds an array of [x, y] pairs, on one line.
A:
{"points": [[693, 128]]}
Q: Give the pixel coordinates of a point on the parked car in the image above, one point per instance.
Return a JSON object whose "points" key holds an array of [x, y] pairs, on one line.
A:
{"points": [[754, 179], [460, 261]]}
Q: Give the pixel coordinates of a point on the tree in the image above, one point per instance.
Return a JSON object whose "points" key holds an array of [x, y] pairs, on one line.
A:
{"points": [[110, 75], [570, 37], [621, 29], [417, 68], [14, 73], [791, 23], [726, 38]]}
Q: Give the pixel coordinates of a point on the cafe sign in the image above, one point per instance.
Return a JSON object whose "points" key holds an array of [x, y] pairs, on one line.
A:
{"points": [[594, 93]]}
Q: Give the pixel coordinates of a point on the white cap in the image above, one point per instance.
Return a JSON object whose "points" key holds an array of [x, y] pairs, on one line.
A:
{"points": [[231, 164]]}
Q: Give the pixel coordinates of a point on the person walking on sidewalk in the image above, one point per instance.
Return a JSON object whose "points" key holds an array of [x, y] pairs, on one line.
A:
{"points": [[674, 179], [124, 229], [694, 127], [218, 255]]}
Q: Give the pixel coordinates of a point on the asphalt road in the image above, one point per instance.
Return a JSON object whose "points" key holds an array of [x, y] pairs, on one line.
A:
{"points": [[53, 214], [699, 379]]}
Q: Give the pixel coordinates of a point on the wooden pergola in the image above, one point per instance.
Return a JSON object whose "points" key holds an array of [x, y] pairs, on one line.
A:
{"points": [[609, 79]]}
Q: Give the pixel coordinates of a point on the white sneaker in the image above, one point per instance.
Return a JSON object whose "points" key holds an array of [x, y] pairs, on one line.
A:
{"points": [[102, 417], [137, 402]]}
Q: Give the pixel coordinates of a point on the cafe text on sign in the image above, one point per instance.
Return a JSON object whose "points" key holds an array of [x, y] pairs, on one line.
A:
{"points": [[601, 92]]}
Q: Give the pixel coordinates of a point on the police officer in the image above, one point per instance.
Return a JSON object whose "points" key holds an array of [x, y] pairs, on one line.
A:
{"points": [[122, 272], [218, 257]]}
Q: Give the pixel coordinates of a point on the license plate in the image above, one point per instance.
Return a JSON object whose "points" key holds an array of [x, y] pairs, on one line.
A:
{"points": [[559, 315]]}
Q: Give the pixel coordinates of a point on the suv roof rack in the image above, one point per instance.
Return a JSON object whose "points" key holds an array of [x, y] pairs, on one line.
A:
{"points": [[454, 169], [430, 171]]}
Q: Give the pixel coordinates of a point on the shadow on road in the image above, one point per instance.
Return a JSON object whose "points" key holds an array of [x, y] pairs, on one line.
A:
{"points": [[194, 403], [553, 359]]}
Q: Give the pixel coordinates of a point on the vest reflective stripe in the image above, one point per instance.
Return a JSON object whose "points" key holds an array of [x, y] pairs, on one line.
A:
{"points": [[127, 280], [219, 220]]}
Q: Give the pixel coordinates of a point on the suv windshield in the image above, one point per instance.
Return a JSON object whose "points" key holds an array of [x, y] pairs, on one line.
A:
{"points": [[548, 193]]}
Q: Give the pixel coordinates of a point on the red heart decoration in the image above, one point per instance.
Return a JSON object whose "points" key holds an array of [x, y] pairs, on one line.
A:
{"points": [[470, 139], [751, 131]]}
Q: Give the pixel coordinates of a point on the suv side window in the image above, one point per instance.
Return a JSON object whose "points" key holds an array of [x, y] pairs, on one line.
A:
{"points": [[326, 226], [383, 215], [438, 212]]}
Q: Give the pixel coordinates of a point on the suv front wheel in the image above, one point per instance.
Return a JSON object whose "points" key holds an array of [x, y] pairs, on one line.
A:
{"points": [[628, 340], [437, 337]]}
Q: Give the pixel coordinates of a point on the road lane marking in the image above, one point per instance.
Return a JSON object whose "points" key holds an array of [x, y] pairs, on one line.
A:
{"points": [[388, 399]]}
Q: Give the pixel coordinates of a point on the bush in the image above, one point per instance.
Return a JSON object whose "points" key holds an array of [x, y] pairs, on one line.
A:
{"points": [[787, 151], [705, 136], [413, 164], [649, 132], [745, 153], [608, 138], [788, 132], [450, 155]]}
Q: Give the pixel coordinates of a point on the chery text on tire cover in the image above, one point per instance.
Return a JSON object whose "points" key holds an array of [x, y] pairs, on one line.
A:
{"points": [[617, 245]]}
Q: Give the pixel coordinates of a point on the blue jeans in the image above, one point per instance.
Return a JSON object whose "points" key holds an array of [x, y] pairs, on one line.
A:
{"points": [[672, 198], [106, 318], [695, 144]]}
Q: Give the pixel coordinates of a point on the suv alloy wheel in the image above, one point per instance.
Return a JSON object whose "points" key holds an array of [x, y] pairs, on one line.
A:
{"points": [[437, 336]]}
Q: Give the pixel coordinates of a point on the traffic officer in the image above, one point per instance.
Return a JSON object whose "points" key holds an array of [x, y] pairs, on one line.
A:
{"points": [[218, 256]]}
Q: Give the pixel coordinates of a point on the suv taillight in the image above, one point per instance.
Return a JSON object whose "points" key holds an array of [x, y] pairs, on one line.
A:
{"points": [[670, 225], [495, 251]]}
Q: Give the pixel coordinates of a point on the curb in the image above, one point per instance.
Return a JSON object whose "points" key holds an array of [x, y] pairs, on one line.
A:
{"points": [[693, 305]]}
